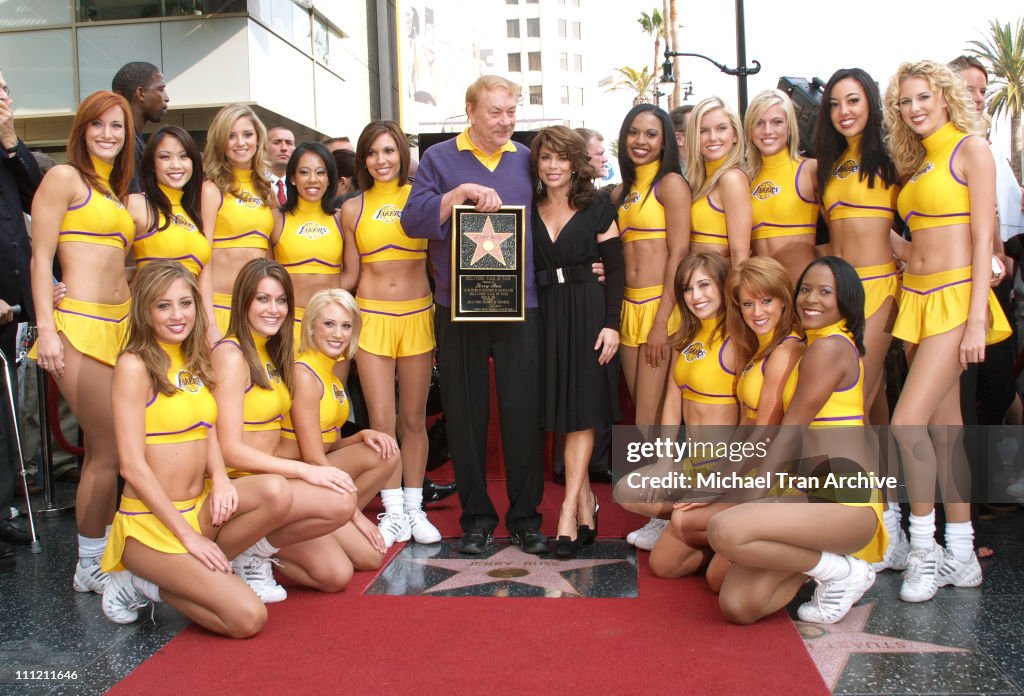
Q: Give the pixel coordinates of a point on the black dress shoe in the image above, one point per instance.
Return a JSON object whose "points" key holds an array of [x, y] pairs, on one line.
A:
{"points": [[433, 492], [475, 541], [584, 534], [564, 547], [12, 532], [531, 540], [6, 551], [603, 476]]}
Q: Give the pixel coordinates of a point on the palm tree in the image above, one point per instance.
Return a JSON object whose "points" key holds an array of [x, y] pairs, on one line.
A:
{"points": [[672, 39], [652, 25], [1003, 50], [639, 81]]}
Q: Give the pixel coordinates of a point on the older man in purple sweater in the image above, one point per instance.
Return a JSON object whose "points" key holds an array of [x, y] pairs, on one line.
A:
{"points": [[484, 168]]}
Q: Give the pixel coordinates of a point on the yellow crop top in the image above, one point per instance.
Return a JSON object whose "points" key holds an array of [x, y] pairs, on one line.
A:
{"points": [[707, 221], [779, 209], [264, 409], [310, 241], [750, 382], [181, 240], [847, 196], [700, 373], [379, 233], [244, 221], [641, 214], [102, 219], [334, 406], [846, 405], [934, 196], [185, 416]]}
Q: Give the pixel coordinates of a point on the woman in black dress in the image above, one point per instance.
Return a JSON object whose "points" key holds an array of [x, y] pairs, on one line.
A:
{"points": [[574, 226]]}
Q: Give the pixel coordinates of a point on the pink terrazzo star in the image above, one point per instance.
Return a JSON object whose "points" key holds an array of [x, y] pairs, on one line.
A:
{"points": [[488, 243], [511, 565]]}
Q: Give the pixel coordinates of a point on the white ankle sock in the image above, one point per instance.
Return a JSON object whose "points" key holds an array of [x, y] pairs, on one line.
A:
{"points": [[151, 591], [922, 531], [413, 498], [831, 566], [263, 548], [393, 499], [960, 540], [891, 518], [90, 549]]}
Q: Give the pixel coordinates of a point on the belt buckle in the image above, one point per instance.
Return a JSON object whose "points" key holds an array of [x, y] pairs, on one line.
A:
{"points": [[560, 275]]}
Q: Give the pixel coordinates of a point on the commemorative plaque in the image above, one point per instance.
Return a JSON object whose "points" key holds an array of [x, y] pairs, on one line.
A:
{"points": [[488, 264]]}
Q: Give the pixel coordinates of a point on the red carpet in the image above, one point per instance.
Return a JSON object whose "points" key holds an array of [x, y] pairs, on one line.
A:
{"points": [[670, 639]]}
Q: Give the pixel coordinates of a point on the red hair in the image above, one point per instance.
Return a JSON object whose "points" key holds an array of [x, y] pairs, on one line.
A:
{"points": [[91, 108]]}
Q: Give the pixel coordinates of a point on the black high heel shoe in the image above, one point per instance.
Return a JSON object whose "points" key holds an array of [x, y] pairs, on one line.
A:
{"points": [[584, 534], [564, 547]]}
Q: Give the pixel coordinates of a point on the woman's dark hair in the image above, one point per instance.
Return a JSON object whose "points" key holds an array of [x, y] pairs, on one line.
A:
{"points": [[669, 155], [345, 160], [327, 199], [849, 294], [829, 143], [564, 141], [373, 130], [716, 268], [156, 199]]}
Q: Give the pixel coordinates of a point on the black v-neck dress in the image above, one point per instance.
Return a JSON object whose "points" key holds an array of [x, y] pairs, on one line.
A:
{"points": [[577, 392]]}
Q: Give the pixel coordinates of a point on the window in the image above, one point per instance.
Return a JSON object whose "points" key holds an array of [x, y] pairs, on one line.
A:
{"points": [[511, 2], [532, 2], [533, 27], [577, 63], [515, 62], [579, 96], [577, 32], [534, 58], [565, 94], [563, 61], [536, 95], [563, 28]]}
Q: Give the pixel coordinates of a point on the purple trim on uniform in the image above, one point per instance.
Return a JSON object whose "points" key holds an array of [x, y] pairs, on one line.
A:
{"points": [[914, 213], [147, 235], [879, 277], [712, 205], [395, 246], [359, 217], [941, 287], [309, 367], [861, 207], [84, 203], [221, 204], [777, 224], [322, 432], [654, 190], [951, 156], [748, 407], [632, 301], [92, 316], [197, 424], [264, 422], [708, 234], [147, 512], [239, 236], [722, 364], [153, 400], [687, 387], [857, 352], [312, 260], [201, 265], [403, 314], [796, 184], [124, 240], [222, 341], [837, 418]]}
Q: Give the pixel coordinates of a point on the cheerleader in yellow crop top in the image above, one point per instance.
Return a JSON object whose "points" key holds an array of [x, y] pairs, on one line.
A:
{"points": [[832, 543], [397, 338], [255, 377], [654, 223], [237, 219], [166, 212], [947, 313], [783, 187], [78, 217], [180, 517], [720, 216], [307, 239]]}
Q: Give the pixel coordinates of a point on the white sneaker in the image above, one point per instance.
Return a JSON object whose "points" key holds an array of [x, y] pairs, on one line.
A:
{"points": [[895, 554], [647, 537], [959, 573], [631, 537], [258, 574], [832, 600], [920, 579], [122, 600], [394, 526], [89, 578], [423, 532]]}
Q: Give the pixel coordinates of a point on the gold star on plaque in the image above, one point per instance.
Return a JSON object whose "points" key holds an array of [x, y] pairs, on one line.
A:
{"points": [[488, 243]]}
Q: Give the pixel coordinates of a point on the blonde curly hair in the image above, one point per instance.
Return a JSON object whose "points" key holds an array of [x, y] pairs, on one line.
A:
{"points": [[904, 144], [700, 183]]}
